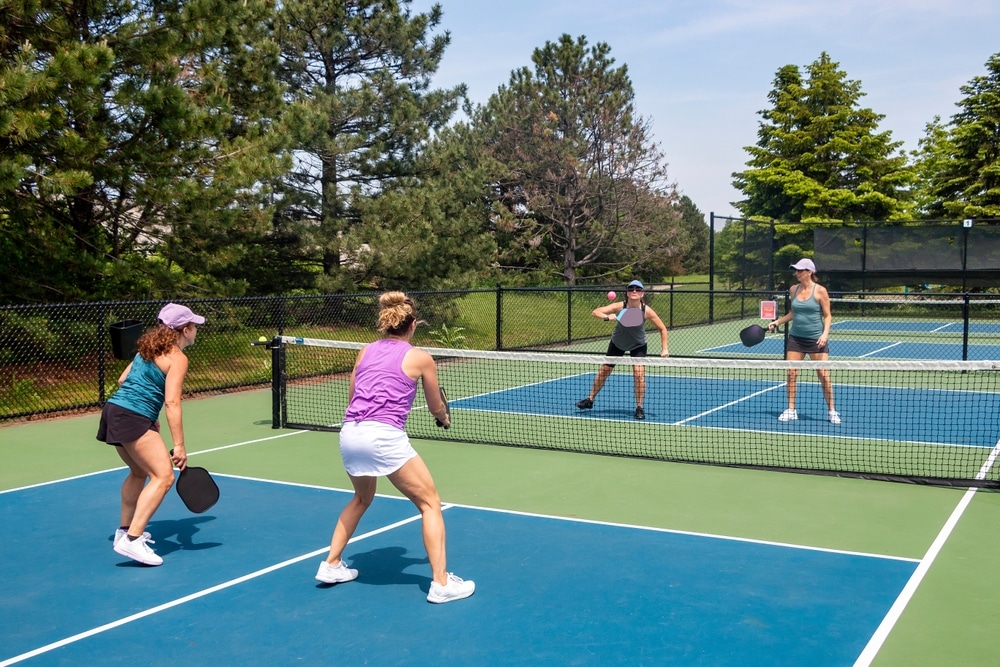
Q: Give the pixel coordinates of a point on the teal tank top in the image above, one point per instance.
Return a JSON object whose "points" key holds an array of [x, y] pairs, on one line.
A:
{"points": [[143, 390], [807, 317]]}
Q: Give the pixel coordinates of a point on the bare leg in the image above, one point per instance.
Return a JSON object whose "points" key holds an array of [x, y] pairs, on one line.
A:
{"points": [[639, 378], [824, 379], [146, 457], [131, 488], [350, 516], [793, 376], [602, 377], [415, 482]]}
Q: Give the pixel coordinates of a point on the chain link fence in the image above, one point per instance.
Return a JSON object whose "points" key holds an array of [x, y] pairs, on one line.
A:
{"points": [[57, 358]]}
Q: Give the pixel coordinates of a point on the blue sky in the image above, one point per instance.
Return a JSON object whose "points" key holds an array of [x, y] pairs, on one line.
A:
{"points": [[702, 69]]}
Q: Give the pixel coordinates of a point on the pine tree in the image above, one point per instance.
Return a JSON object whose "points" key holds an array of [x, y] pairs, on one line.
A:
{"points": [[131, 138], [819, 156], [358, 76], [964, 164]]}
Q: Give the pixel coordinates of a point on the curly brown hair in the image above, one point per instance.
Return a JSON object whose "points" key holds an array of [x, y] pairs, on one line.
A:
{"points": [[396, 313], [157, 341]]}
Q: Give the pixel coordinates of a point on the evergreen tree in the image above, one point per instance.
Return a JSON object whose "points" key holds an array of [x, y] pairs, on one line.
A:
{"points": [[819, 156], [130, 144], [930, 162], [962, 161], [694, 238], [358, 76]]}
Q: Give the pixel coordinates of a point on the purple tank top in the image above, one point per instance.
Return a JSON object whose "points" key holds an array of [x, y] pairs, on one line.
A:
{"points": [[382, 391]]}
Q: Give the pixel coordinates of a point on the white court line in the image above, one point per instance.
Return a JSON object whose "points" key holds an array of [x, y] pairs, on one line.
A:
{"points": [[194, 596], [881, 349], [204, 451], [726, 405], [674, 531], [889, 622]]}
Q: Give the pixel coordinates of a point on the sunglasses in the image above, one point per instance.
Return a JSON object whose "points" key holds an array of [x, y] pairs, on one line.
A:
{"points": [[633, 289]]}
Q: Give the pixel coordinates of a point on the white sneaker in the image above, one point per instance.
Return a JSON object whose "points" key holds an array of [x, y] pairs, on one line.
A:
{"points": [[788, 415], [121, 532], [834, 417], [335, 574], [455, 589], [138, 550]]}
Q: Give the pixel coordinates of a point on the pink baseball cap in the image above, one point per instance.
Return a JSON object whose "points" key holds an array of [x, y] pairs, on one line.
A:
{"points": [[804, 264], [175, 316]]}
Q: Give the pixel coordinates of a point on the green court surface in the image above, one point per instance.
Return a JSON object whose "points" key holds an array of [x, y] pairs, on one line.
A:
{"points": [[950, 618]]}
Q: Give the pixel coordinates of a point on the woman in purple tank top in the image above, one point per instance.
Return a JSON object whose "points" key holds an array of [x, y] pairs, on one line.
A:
{"points": [[373, 443]]}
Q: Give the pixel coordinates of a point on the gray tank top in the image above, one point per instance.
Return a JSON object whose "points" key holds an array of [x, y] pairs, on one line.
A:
{"points": [[629, 338]]}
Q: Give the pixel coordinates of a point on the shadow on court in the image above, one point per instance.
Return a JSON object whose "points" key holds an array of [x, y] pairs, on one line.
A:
{"points": [[386, 567]]}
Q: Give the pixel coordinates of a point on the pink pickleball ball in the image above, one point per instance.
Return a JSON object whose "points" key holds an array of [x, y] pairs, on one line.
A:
{"points": [[611, 295]]}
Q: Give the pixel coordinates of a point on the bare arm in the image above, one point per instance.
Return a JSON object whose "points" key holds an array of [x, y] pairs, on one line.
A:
{"points": [[173, 389], [655, 319], [419, 364], [608, 312], [823, 297], [354, 371]]}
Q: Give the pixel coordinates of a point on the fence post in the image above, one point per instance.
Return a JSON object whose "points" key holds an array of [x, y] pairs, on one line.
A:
{"points": [[102, 332], [671, 325], [711, 268], [965, 326], [499, 345], [569, 315]]}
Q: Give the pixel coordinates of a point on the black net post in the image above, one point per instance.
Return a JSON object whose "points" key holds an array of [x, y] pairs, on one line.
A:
{"points": [[279, 405]]}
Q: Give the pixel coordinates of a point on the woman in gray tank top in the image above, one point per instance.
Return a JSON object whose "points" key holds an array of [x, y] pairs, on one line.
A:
{"points": [[631, 339]]}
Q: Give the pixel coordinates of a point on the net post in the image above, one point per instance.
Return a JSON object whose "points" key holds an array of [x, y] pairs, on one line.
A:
{"points": [[279, 405]]}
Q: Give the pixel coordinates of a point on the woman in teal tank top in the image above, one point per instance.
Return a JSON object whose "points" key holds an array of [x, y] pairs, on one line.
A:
{"points": [[152, 381], [809, 335]]}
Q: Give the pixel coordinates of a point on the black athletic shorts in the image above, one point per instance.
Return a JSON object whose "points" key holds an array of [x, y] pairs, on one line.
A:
{"points": [[806, 345], [615, 351], [119, 425]]}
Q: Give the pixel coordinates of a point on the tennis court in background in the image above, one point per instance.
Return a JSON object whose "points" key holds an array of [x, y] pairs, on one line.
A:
{"points": [[578, 559], [890, 339]]}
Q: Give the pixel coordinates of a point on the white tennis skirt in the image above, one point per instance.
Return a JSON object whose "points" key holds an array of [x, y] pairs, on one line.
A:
{"points": [[371, 449]]}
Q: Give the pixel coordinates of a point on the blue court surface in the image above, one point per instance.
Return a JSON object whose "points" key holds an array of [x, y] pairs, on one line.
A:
{"points": [[237, 587], [871, 349], [927, 416], [917, 326]]}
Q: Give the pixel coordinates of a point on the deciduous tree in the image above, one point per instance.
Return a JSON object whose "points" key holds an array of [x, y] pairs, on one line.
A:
{"points": [[578, 174]]}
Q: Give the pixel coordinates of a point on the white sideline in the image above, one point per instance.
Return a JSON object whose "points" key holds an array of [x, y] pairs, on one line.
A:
{"points": [[889, 622], [194, 596]]}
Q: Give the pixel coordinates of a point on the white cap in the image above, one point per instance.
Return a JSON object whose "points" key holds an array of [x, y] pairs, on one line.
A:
{"points": [[804, 264]]}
